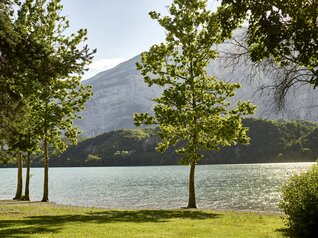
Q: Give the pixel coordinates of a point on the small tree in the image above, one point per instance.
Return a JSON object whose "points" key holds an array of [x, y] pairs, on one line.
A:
{"points": [[193, 108], [300, 202], [59, 94]]}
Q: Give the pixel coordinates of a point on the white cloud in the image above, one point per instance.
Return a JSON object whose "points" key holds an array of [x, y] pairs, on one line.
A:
{"points": [[100, 65], [104, 64]]}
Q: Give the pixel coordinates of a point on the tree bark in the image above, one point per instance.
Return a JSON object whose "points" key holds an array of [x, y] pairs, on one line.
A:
{"points": [[192, 202], [18, 194], [27, 179], [46, 173]]}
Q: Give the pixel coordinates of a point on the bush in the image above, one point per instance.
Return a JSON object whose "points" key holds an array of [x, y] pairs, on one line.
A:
{"points": [[300, 203]]}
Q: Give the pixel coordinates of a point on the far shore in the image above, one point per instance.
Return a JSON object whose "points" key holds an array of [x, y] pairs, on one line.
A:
{"points": [[261, 163]]}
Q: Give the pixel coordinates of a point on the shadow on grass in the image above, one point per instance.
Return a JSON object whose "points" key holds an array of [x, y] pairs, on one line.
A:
{"points": [[287, 232], [54, 224]]}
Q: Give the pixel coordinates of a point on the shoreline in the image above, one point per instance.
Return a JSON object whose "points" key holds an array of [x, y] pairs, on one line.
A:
{"points": [[165, 165], [9, 202]]}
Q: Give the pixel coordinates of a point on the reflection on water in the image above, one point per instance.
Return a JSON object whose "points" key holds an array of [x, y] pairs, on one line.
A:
{"points": [[243, 187]]}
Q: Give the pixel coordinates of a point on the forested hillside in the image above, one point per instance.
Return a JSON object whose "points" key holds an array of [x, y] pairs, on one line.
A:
{"points": [[271, 141]]}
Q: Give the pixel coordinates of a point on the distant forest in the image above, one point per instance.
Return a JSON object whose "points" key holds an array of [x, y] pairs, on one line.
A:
{"points": [[271, 141]]}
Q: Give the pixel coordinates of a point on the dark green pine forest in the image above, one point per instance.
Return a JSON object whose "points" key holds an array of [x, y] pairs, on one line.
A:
{"points": [[271, 141]]}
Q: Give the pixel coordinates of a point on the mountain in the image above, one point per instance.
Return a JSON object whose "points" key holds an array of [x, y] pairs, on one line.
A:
{"points": [[118, 93], [121, 91], [271, 141]]}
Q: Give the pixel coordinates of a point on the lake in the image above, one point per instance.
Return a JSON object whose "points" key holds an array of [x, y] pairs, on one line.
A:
{"points": [[240, 187]]}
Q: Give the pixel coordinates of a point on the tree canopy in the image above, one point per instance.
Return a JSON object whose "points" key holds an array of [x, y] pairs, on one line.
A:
{"points": [[284, 32], [42, 69], [194, 108]]}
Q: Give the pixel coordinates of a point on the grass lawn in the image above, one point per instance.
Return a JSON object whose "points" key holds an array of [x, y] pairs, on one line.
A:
{"points": [[35, 219]]}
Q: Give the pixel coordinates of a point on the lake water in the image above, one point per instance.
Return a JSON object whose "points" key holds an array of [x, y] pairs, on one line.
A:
{"points": [[242, 187]]}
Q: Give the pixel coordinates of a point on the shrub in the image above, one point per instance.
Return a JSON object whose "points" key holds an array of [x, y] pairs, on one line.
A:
{"points": [[300, 202]]}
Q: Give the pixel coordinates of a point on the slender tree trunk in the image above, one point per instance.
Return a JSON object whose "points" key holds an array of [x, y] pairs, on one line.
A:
{"points": [[192, 202], [18, 194], [46, 172], [27, 179]]}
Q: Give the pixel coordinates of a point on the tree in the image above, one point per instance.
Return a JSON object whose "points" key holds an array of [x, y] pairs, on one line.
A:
{"points": [[283, 36], [9, 100], [15, 54], [31, 141], [193, 111], [58, 95], [299, 202], [19, 57]]}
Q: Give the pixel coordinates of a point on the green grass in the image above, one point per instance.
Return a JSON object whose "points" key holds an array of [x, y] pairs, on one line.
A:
{"points": [[25, 219]]}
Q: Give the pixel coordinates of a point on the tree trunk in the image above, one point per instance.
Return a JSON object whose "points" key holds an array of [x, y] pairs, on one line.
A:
{"points": [[46, 173], [18, 194], [192, 202], [27, 179]]}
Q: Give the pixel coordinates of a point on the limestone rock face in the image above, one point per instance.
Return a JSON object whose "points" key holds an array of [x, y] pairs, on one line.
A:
{"points": [[118, 93], [121, 91]]}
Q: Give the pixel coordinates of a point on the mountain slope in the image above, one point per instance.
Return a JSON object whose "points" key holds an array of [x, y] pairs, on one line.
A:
{"points": [[121, 91], [118, 93], [271, 141]]}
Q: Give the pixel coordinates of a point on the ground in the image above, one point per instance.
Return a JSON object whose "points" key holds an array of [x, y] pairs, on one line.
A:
{"points": [[36, 219]]}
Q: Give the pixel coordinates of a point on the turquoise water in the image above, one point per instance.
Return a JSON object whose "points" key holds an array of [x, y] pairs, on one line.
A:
{"points": [[242, 187]]}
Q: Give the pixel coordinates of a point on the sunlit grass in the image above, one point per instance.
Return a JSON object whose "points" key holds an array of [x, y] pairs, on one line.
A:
{"points": [[23, 219]]}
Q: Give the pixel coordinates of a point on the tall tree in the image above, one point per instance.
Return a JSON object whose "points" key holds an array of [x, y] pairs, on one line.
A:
{"points": [[59, 94], [12, 72], [9, 100], [193, 108], [281, 34], [19, 56]]}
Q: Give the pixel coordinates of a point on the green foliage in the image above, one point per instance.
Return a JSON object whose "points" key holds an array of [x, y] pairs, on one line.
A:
{"points": [[300, 202], [193, 107], [60, 95], [285, 31], [40, 74], [115, 148], [139, 134], [271, 141], [41, 69], [92, 159], [310, 140], [122, 153], [15, 54]]}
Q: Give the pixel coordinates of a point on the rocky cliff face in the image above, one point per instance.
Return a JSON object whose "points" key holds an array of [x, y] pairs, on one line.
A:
{"points": [[301, 102], [118, 93], [121, 91]]}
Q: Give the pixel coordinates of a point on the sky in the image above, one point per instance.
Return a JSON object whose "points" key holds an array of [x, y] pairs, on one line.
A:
{"points": [[118, 29]]}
